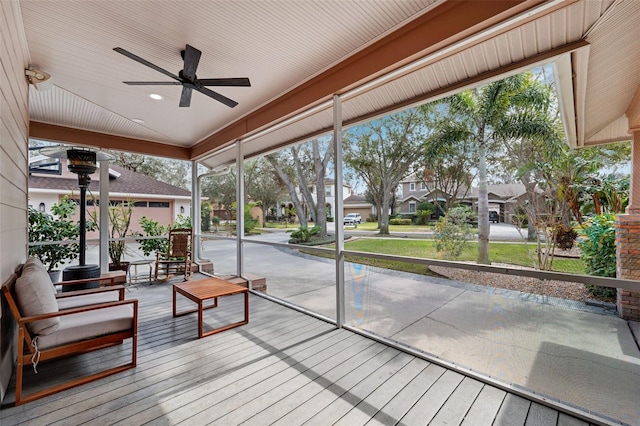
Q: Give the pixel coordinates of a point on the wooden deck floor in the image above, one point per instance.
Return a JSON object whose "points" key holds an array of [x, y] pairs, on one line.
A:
{"points": [[284, 367]]}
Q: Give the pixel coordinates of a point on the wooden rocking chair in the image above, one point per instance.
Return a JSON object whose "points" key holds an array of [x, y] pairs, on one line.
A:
{"points": [[177, 258]]}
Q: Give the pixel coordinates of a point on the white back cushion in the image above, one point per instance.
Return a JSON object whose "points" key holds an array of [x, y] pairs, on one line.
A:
{"points": [[35, 297]]}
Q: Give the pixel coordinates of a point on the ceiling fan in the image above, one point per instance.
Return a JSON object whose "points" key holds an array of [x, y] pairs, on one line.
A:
{"points": [[187, 77]]}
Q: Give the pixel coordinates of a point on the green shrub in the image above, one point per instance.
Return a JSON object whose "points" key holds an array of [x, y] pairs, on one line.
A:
{"points": [[249, 222], [372, 218], [400, 221], [182, 221], [598, 248], [44, 227], [152, 228], [452, 231], [520, 220], [303, 234], [565, 237], [205, 217]]}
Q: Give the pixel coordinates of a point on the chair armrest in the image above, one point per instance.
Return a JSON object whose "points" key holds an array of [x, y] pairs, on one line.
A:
{"points": [[134, 302], [118, 288], [111, 280]]}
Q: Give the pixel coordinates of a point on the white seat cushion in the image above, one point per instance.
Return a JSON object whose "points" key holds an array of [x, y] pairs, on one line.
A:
{"points": [[85, 325]]}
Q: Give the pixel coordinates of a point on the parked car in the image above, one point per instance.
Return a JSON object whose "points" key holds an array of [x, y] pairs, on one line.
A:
{"points": [[494, 217], [352, 219]]}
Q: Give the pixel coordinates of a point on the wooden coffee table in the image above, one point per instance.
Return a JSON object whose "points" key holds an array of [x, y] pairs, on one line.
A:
{"points": [[211, 288]]}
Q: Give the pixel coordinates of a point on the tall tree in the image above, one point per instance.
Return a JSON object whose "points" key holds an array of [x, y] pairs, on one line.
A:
{"points": [[297, 168], [221, 191], [262, 185], [173, 172], [383, 152], [530, 134], [287, 177], [498, 110], [449, 158]]}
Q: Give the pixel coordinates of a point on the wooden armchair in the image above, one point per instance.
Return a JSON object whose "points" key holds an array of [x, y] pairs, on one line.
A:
{"points": [[88, 320], [177, 259]]}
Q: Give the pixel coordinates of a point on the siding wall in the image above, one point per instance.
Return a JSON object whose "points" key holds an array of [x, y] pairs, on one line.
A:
{"points": [[14, 127]]}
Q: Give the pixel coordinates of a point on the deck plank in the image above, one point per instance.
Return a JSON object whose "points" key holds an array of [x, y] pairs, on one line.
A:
{"points": [[565, 420], [326, 396], [284, 368], [454, 410], [370, 406], [290, 402], [540, 415], [486, 407], [513, 411], [429, 404], [401, 403], [341, 406]]}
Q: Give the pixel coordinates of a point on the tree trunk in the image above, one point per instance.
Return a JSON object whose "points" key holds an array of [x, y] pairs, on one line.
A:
{"points": [[320, 165], [292, 192], [303, 186], [483, 207], [384, 214]]}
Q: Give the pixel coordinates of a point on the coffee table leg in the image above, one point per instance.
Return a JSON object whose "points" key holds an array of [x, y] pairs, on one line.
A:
{"points": [[174, 302], [246, 307], [200, 322]]}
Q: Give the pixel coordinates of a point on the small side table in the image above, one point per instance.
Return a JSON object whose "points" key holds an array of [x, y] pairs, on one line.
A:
{"points": [[135, 263], [200, 291]]}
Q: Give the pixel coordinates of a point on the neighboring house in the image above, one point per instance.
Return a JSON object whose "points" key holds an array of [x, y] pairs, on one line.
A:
{"points": [[358, 204], [504, 199], [330, 195], [154, 199], [412, 191]]}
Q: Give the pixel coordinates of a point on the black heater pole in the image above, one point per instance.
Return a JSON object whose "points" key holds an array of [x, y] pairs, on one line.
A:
{"points": [[82, 162], [83, 217]]}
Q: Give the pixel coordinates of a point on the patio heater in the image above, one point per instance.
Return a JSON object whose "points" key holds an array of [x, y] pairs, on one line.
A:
{"points": [[83, 162]]}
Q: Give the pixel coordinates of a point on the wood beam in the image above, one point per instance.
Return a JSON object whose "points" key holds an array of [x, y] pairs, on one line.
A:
{"points": [[447, 23], [62, 134]]}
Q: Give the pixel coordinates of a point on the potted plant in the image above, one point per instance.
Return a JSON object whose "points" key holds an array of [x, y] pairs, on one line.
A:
{"points": [[119, 220], [44, 227]]}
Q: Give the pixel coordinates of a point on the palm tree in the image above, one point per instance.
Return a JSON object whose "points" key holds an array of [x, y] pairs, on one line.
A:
{"points": [[503, 110]]}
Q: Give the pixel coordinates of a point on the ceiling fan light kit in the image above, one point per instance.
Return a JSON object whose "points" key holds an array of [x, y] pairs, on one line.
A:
{"points": [[187, 78]]}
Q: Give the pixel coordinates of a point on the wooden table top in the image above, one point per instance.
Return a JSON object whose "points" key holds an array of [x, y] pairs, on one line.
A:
{"points": [[209, 288]]}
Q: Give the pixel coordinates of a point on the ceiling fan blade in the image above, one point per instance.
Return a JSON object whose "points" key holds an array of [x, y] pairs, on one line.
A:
{"points": [[191, 59], [185, 98], [152, 83], [144, 62], [217, 96], [241, 82]]}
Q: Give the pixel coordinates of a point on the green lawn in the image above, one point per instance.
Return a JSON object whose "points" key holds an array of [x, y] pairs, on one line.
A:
{"points": [[373, 226], [281, 225], [511, 253]]}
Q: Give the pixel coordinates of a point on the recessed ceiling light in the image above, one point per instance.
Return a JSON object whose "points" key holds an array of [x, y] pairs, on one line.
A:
{"points": [[137, 120], [155, 96]]}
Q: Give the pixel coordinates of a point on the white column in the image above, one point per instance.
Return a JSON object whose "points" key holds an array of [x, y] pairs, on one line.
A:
{"points": [[239, 206], [339, 229], [104, 217], [195, 210]]}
